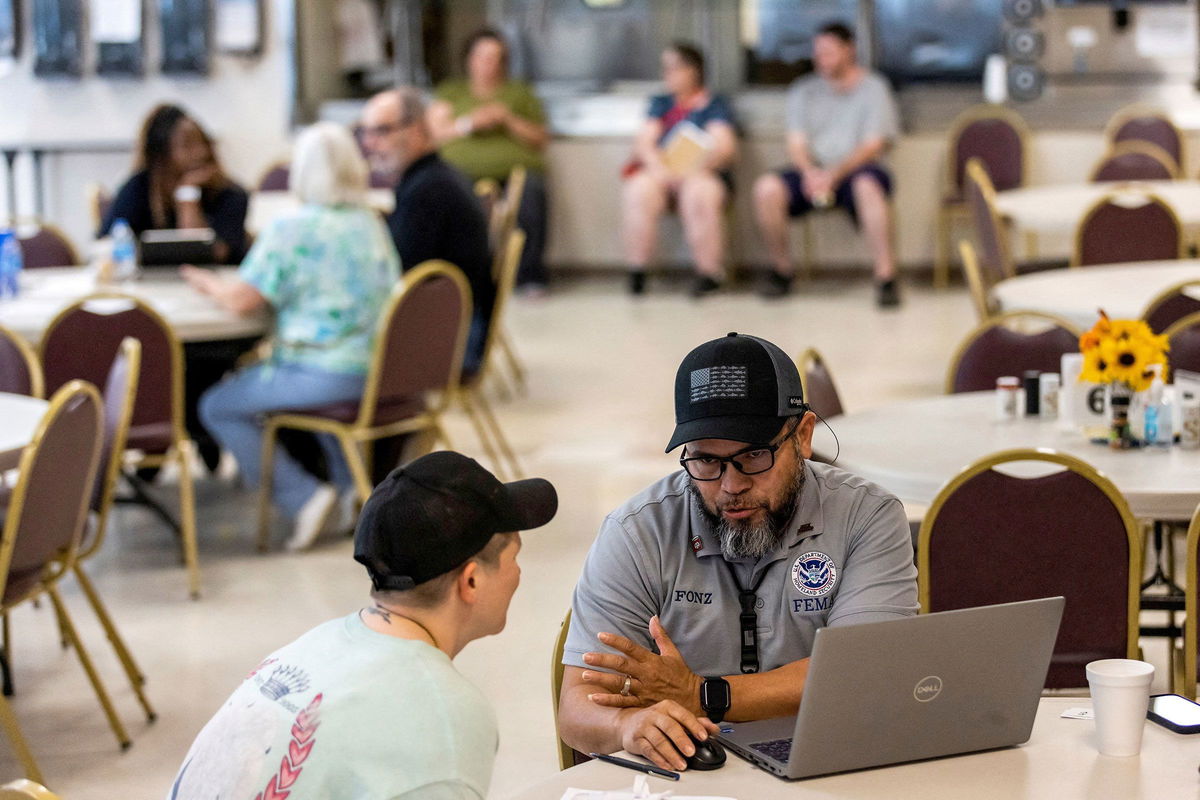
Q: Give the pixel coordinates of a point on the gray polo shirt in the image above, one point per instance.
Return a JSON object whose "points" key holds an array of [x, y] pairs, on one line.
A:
{"points": [[846, 558], [835, 123]]}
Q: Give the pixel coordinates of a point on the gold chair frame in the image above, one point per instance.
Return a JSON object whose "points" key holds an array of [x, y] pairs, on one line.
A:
{"points": [[974, 275], [1112, 197], [95, 195], [949, 212], [131, 349], [1185, 683], [1078, 466], [994, 321], [1136, 146], [1139, 110], [975, 171], [182, 447], [1183, 323], [40, 223], [26, 790], [37, 382], [48, 585], [566, 758], [1167, 293], [470, 394], [354, 435], [812, 356]]}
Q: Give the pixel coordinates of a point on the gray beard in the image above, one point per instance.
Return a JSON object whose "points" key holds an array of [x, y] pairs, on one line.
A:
{"points": [[745, 539]]}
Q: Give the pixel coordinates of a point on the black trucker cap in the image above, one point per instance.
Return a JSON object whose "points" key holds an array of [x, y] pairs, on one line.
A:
{"points": [[430, 516], [737, 387]]}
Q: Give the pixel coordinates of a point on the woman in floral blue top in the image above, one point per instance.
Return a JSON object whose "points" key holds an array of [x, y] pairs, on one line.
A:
{"points": [[325, 270]]}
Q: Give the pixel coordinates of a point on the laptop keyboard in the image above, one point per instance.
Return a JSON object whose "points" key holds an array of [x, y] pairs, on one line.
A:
{"points": [[778, 749]]}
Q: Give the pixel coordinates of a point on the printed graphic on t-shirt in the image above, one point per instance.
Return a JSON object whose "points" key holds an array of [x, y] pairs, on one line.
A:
{"points": [[238, 746]]}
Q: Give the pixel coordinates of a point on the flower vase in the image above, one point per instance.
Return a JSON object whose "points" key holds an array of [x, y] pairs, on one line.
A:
{"points": [[1120, 434]]}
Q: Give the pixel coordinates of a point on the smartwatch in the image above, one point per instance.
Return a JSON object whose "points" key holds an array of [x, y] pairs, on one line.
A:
{"points": [[187, 194], [715, 698]]}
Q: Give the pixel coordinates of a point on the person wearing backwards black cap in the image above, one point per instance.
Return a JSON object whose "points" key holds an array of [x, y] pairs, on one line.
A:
{"points": [[370, 705], [741, 556]]}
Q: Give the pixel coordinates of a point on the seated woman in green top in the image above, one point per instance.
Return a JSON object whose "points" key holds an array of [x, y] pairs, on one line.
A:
{"points": [[487, 124]]}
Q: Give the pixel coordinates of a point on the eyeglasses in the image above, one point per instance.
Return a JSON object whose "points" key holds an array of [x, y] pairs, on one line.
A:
{"points": [[752, 460], [379, 131]]}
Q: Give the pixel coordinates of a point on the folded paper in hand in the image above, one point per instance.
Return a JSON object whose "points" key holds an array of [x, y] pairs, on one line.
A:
{"points": [[640, 791], [686, 148]]}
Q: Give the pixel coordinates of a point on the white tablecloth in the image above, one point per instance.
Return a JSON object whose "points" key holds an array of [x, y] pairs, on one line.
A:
{"points": [[195, 317], [1059, 762], [914, 448], [1122, 290], [1058, 208], [19, 417]]}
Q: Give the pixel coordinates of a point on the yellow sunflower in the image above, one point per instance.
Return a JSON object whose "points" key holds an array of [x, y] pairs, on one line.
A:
{"points": [[1122, 351]]}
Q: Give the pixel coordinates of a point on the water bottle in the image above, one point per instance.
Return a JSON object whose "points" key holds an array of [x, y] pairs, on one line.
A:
{"points": [[124, 251], [11, 263]]}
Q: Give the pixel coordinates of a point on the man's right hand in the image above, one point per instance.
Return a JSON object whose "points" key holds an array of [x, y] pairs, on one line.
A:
{"points": [[660, 733]]}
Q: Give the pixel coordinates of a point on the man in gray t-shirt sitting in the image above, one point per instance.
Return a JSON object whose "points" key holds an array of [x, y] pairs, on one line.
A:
{"points": [[840, 122], [701, 595]]}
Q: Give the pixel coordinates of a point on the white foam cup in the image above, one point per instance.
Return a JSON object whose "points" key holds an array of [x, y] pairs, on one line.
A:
{"points": [[1120, 696]]}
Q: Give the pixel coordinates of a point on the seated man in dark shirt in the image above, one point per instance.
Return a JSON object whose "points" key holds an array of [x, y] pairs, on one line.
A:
{"points": [[437, 214]]}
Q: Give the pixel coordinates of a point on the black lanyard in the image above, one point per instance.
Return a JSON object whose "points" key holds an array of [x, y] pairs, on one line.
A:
{"points": [[748, 599]]}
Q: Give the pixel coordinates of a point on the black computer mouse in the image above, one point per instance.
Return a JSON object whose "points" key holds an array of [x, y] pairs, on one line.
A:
{"points": [[709, 755]]}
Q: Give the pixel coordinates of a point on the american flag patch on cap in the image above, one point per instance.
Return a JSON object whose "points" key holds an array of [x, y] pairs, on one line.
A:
{"points": [[718, 383]]}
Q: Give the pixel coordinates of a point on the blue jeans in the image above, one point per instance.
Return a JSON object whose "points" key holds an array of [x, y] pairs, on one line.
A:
{"points": [[233, 411]]}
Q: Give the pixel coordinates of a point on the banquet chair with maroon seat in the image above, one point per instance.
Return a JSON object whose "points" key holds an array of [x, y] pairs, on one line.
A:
{"points": [[20, 371], [998, 138], [1172, 304], [1184, 338], [991, 235], [992, 536], [276, 178], [43, 523], [1142, 123], [44, 245], [157, 436], [25, 789], [998, 347], [1128, 226], [413, 376], [816, 383], [1135, 161]]}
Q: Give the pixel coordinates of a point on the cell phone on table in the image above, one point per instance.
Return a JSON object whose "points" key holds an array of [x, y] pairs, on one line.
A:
{"points": [[1174, 712]]}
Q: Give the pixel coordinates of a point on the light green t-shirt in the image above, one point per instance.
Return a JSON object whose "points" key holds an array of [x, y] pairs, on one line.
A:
{"points": [[345, 712], [492, 154], [327, 272]]}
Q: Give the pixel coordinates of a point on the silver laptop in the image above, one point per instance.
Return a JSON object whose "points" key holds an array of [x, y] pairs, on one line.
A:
{"points": [[907, 689]]}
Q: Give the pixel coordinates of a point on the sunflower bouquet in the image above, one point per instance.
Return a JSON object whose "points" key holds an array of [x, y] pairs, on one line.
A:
{"points": [[1126, 355], [1123, 352]]}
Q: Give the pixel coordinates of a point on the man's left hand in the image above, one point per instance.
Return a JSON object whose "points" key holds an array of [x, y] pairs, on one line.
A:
{"points": [[654, 677]]}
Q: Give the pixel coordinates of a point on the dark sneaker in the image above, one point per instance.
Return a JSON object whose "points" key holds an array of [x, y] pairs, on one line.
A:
{"points": [[704, 285], [775, 285], [637, 282], [888, 295]]}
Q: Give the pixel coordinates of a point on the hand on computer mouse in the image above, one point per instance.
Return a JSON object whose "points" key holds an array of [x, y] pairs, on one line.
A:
{"points": [[709, 755]]}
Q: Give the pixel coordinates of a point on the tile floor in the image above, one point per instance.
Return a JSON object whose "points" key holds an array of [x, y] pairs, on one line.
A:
{"points": [[596, 418]]}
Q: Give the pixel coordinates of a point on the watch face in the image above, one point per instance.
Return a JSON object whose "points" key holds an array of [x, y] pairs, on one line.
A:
{"points": [[714, 694]]}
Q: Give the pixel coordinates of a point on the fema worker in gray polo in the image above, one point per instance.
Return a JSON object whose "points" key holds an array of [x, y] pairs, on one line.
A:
{"points": [[701, 595]]}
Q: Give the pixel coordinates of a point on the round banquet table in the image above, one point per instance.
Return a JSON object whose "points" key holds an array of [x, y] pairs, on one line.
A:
{"points": [[195, 317], [1122, 290], [915, 447], [1059, 762], [19, 418], [1057, 208]]}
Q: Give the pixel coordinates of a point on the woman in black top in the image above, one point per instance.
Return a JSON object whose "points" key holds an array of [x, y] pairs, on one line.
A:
{"points": [[180, 184]]}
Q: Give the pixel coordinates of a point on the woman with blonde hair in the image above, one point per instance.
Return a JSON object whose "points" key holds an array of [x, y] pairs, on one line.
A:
{"points": [[326, 271]]}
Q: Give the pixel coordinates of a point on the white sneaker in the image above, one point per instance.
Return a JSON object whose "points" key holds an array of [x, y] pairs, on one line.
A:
{"points": [[345, 516], [311, 519]]}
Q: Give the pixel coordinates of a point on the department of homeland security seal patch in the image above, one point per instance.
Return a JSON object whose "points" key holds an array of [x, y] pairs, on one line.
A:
{"points": [[814, 574]]}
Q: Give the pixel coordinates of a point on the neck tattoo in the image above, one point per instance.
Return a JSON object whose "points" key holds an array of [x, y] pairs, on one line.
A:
{"points": [[386, 614]]}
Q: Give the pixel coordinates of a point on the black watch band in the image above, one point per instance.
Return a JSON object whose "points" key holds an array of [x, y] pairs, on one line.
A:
{"points": [[715, 698]]}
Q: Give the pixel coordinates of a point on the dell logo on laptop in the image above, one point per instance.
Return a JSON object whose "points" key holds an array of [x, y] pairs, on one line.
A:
{"points": [[927, 688]]}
